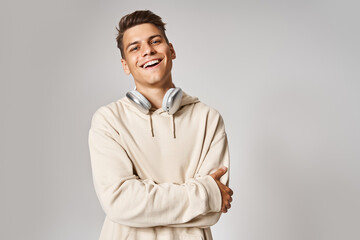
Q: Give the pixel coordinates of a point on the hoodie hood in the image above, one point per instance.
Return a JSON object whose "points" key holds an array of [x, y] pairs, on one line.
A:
{"points": [[185, 100]]}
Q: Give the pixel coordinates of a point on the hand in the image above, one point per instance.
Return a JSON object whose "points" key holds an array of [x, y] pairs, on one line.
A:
{"points": [[226, 192]]}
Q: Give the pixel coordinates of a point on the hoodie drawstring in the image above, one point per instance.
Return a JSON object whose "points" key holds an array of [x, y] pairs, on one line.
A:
{"points": [[151, 127], [172, 125]]}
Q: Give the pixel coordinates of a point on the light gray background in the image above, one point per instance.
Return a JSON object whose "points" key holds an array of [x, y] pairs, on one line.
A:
{"points": [[283, 74]]}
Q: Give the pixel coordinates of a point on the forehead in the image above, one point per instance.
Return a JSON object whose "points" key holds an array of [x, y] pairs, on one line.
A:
{"points": [[140, 32]]}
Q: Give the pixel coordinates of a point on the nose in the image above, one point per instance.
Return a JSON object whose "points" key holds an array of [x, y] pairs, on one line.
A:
{"points": [[147, 50]]}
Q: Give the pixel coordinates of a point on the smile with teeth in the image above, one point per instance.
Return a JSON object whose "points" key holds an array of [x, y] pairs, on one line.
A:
{"points": [[151, 63]]}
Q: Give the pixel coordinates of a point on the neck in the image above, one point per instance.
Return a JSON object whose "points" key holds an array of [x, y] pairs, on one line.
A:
{"points": [[155, 94]]}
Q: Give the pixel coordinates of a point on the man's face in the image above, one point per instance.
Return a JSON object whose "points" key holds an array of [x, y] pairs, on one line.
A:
{"points": [[147, 56]]}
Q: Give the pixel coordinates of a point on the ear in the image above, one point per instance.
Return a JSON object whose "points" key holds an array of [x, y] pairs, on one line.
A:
{"points": [[125, 66], [172, 51]]}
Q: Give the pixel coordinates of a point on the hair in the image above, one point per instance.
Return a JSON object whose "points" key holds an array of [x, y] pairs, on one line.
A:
{"points": [[137, 18]]}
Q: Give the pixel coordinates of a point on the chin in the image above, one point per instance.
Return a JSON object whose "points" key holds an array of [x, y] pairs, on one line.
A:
{"points": [[155, 79]]}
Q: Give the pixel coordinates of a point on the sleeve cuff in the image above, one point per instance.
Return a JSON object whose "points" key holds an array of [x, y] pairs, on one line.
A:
{"points": [[213, 192]]}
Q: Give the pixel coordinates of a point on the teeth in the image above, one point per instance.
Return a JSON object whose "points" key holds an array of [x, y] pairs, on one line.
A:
{"points": [[150, 63]]}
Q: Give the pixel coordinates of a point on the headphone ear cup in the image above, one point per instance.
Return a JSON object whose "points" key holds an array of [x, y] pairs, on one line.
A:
{"points": [[139, 100], [172, 100]]}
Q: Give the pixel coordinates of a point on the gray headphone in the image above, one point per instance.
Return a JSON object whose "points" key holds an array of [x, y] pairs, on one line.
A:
{"points": [[171, 101]]}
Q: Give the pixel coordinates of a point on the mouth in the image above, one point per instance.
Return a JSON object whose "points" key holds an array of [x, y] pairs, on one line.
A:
{"points": [[151, 64]]}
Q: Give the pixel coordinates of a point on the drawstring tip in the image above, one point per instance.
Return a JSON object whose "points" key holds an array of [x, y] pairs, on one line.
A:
{"points": [[173, 125], [151, 127]]}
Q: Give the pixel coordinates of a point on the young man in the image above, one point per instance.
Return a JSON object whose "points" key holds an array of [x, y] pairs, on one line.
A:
{"points": [[159, 156]]}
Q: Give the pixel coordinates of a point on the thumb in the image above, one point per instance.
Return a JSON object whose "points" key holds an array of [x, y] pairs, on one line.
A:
{"points": [[221, 171]]}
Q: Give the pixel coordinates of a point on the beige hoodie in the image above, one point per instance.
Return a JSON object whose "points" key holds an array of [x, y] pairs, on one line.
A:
{"points": [[151, 171]]}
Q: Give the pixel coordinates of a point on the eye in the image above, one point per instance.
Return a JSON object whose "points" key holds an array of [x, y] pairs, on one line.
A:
{"points": [[134, 49], [155, 41]]}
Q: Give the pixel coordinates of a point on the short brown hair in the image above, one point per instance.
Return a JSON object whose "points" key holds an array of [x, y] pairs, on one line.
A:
{"points": [[137, 18]]}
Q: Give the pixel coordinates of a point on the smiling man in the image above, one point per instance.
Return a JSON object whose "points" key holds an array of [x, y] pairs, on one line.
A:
{"points": [[159, 156], [148, 57]]}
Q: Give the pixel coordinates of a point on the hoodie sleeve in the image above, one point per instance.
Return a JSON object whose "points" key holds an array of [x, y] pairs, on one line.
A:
{"points": [[134, 202], [216, 157]]}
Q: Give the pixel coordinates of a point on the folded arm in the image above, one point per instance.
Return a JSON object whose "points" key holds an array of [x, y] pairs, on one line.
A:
{"points": [[128, 200], [218, 155]]}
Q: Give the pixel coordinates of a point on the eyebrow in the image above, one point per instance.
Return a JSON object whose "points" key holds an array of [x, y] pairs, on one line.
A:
{"points": [[136, 42]]}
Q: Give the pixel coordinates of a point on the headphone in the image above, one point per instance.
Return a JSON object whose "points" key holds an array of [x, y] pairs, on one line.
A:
{"points": [[171, 101]]}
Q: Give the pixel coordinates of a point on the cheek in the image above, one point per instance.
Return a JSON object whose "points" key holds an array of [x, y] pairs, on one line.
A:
{"points": [[132, 63], [164, 49]]}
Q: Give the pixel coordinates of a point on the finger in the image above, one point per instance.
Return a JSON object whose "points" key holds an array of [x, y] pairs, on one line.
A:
{"points": [[228, 205], [224, 210], [227, 189], [230, 199], [218, 173], [221, 171]]}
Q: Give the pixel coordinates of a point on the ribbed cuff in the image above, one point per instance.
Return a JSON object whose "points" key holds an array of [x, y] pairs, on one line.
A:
{"points": [[213, 192]]}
